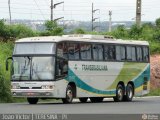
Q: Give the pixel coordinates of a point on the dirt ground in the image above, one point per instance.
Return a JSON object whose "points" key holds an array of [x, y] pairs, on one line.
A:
{"points": [[155, 71]]}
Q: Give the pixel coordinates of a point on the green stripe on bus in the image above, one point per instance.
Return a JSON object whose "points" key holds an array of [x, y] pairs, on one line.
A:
{"points": [[79, 83], [132, 72]]}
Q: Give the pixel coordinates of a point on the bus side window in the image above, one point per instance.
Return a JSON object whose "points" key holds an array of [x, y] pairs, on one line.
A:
{"points": [[62, 50], [123, 53], [139, 54], [109, 52], [145, 54], [86, 52], [131, 53], [118, 53], [73, 51], [97, 52], [61, 67]]}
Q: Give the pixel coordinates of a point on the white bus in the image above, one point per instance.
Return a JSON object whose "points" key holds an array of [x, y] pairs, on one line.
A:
{"points": [[79, 66]]}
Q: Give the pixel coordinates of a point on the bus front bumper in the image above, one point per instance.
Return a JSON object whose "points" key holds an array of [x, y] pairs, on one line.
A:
{"points": [[32, 93]]}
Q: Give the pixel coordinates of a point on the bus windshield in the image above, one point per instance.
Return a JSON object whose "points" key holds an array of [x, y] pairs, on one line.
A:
{"points": [[34, 48], [33, 68]]}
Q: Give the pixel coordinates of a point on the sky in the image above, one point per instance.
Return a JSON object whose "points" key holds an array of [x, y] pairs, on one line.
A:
{"points": [[80, 10]]}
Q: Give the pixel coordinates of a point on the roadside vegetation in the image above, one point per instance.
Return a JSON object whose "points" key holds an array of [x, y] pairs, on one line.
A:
{"points": [[9, 33], [154, 92]]}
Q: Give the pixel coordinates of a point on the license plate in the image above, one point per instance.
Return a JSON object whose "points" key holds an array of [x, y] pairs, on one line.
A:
{"points": [[30, 94]]}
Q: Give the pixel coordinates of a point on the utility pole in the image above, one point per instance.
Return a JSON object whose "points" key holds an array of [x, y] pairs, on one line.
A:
{"points": [[54, 6], [51, 10], [9, 6], [110, 21], [93, 18], [138, 12]]}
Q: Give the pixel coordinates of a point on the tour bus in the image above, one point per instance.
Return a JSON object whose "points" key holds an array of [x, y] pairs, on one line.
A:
{"points": [[79, 66]]}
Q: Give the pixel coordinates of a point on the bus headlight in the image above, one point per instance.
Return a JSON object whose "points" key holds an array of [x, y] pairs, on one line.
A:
{"points": [[47, 87], [15, 86]]}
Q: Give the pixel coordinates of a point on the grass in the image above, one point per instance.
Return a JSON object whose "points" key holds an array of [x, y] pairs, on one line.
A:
{"points": [[154, 92]]}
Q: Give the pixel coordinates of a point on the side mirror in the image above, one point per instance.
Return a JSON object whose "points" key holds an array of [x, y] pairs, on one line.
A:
{"points": [[9, 58]]}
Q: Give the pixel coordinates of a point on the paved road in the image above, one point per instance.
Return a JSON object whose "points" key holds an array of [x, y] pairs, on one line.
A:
{"points": [[138, 106]]}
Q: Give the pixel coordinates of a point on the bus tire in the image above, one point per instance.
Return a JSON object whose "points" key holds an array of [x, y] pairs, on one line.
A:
{"points": [[83, 100], [119, 93], [69, 95], [32, 100], [129, 93]]}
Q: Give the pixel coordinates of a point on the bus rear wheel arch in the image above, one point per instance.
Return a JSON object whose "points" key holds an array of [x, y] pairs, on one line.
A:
{"points": [[32, 100], [70, 93]]}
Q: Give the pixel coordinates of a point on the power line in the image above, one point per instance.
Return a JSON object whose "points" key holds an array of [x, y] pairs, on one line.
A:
{"points": [[39, 9]]}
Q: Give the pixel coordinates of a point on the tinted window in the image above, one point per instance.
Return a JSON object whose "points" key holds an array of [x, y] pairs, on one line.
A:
{"points": [[85, 51], [139, 54], [61, 67], [109, 52], [120, 53], [131, 53], [62, 50], [65, 50], [145, 54], [123, 53], [73, 51], [97, 52], [34, 48]]}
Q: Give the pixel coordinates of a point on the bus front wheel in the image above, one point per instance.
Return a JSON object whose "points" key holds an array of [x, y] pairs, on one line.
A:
{"points": [[69, 95], [32, 100], [119, 93]]}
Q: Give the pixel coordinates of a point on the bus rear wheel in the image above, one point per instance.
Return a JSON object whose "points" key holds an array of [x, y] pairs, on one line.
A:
{"points": [[83, 100], [129, 93], [32, 100], [119, 93], [69, 95]]}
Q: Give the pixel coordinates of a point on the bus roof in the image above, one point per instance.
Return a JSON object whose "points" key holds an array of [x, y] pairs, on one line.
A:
{"points": [[82, 38]]}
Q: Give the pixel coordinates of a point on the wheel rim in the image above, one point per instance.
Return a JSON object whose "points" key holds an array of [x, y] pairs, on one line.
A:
{"points": [[130, 93], [120, 94], [69, 95]]}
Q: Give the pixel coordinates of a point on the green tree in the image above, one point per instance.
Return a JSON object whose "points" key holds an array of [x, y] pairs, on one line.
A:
{"points": [[5, 51], [4, 31], [12, 32], [52, 29], [147, 31], [120, 32], [79, 31], [135, 32], [21, 31], [156, 35], [158, 23]]}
